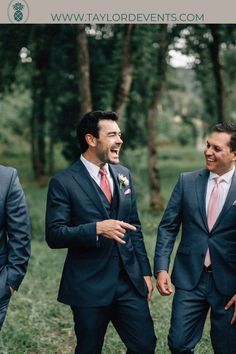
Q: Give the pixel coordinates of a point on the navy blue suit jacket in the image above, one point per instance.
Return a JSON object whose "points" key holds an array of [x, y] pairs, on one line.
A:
{"points": [[73, 208], [14, 231], [187, 208]]}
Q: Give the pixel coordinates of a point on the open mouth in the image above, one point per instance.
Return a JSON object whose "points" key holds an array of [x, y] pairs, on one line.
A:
{"points": [[115, 152]]}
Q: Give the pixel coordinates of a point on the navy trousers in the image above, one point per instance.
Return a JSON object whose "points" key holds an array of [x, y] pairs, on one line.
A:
{"points": [[189, 311], [4, 301], [129, 313]]}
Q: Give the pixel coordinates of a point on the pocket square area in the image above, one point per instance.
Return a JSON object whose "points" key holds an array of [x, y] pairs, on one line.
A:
{"points": [[128, 191], [234, 203]]}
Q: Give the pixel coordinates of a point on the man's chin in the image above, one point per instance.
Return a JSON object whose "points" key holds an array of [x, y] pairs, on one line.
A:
{"points": [[114, 161], [210, 167]]}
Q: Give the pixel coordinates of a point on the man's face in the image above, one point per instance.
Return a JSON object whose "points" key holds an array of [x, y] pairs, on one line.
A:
{"points": [[219, 158], [109, 142]]}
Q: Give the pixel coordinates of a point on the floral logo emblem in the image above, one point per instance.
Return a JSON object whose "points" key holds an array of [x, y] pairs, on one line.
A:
{"points": [[123, 181], [18, 11]]}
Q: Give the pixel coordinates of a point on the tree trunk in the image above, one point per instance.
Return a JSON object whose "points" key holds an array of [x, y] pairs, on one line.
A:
{"points": [[218, 74], [156, 200], [51, 160], [84, 71], [126, 72], [38, 119]]}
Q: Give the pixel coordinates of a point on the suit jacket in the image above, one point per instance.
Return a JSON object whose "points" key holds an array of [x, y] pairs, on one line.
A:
{"points": [[74, 205], [14, 231], [187, 207]]}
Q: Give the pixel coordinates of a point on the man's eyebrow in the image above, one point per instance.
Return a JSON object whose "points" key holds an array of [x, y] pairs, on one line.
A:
{"points": [[114, 132], [214, 145]]}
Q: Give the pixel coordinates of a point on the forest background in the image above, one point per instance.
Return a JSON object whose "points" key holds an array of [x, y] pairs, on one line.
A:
{"points": [[169, 85]]}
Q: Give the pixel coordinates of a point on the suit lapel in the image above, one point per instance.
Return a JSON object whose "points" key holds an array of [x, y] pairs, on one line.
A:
{"points": [[83, 178], [201, 187], [121, 197], [230, 199]]}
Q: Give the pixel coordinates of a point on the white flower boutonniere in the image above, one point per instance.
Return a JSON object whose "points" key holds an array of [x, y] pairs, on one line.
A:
{"points": [[123, 181]]}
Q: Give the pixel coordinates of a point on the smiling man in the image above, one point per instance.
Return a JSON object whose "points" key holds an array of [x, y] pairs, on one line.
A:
{"points": [[204, 272], [91, 211]]}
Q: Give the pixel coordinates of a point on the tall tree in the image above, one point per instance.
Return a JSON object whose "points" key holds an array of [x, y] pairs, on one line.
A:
{"points": [[127, 70], [214, 48], [84, 71], [206, 43], [156, 200], [41, 44]]}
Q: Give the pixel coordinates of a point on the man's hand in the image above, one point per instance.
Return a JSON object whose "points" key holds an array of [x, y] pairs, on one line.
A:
{"points": [[148, 281], [114, 229], [164, 285], [11, 290], [232, 302]]}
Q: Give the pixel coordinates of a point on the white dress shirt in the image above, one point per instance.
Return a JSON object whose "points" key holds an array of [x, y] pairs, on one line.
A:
{"points": [[93, 170], [223, 187]]}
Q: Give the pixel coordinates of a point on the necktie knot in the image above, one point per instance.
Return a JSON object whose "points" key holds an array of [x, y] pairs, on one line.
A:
{"points": [[102, 171], [218, 180]]}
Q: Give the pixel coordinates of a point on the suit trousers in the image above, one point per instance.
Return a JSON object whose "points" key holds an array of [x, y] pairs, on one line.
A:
{"points": [[129, 313], [189, 312], [4, 302]]}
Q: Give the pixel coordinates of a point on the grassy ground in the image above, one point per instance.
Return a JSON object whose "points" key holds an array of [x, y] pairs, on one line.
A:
{"points": [[36, 323]]}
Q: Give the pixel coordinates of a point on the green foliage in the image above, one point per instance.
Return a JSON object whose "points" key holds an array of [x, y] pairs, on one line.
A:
{"points": [[16, 114], [11, 42], [188, 93], [145, 59], [105, 47], [229, 63], [173, 160]]}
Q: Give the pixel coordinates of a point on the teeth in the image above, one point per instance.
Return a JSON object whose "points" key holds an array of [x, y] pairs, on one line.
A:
{"points": [[115, 151]]}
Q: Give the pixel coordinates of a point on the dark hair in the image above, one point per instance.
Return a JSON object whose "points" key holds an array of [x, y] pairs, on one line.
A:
{"points": [[88, 124], [228, 128]]}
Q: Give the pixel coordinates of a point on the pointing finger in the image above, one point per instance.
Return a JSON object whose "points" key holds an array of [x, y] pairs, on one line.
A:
{"points": [[127, 226]]}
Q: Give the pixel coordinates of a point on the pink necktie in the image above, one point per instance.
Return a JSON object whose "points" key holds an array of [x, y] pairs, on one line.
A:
{"points": [[212, 213], [104, 184]]}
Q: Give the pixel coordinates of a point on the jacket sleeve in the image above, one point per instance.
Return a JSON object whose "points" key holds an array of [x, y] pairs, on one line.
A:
{"points": [[18, 232], [168, 229], [137, 237], [59, 231]]}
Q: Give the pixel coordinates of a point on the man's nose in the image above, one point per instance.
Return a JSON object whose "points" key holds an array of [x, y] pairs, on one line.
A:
{"points": [[208, 151], [119, 140]]}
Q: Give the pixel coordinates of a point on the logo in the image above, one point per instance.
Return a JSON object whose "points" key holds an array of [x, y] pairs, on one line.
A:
{"points": [[18, 11]]}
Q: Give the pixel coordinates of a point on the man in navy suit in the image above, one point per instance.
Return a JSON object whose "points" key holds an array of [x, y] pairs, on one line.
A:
{"points": [[14, 237], [204, 272], [106, 275]]}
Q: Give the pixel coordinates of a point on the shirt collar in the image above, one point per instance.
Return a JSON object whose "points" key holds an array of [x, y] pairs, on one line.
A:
{"points": [[92, 168], [227, 177]]}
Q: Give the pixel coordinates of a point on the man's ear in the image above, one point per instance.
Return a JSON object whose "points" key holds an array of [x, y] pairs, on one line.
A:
{"points": [[234, 156], [91, 140]]}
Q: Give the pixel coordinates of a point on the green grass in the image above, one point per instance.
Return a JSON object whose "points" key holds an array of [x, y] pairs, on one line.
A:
{"points": [[36, 323]]}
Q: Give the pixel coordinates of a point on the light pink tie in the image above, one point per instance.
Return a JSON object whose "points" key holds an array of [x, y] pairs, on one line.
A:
{"points": [[212, 213], [104, 184]]}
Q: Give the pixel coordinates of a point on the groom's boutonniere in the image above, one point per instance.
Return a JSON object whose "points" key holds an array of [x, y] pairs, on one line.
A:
{"points": [[123, 181]]}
